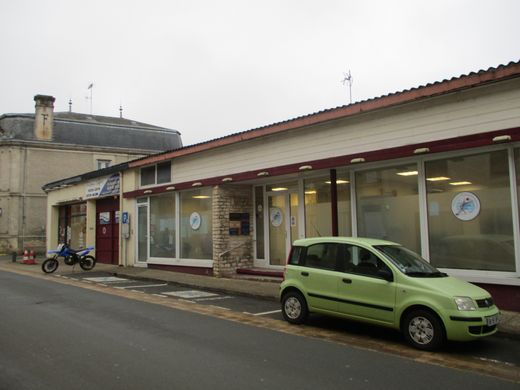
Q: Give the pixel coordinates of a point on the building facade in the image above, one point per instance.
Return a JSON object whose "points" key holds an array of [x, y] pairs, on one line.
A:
{"points": [[435, 168], [45, 146]]}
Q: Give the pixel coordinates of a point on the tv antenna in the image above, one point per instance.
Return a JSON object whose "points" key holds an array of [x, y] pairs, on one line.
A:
{"points": [[347, 79], [90, 87]]}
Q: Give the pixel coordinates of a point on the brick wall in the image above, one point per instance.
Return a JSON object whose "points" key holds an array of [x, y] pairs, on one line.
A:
{"points": [[231, 252]]}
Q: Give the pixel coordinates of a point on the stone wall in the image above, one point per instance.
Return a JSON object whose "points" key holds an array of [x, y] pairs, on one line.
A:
{"points": [[231, 251]]}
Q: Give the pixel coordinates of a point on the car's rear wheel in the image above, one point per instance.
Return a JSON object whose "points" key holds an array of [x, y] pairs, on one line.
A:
{"points": [[294, 307], [423, 330]]}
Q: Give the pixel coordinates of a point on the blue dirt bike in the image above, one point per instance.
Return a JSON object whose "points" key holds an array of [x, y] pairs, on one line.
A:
{"points": [[70, 257]]}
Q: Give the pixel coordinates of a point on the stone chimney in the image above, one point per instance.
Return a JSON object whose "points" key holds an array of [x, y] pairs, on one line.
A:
{"points": [[43, 117]]}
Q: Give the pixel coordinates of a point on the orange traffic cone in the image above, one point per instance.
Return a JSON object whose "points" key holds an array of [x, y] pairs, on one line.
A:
{"points": [[28, 259]]}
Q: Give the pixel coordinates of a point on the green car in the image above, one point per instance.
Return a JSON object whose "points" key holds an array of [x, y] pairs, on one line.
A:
{"points": [[383, 283]]}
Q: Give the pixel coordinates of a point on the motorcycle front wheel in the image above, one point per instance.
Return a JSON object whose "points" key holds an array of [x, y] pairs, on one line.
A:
{"points": [[87, 262], [50, 265]]}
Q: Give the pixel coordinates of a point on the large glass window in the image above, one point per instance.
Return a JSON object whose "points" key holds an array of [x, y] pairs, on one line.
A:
{"points": [[318, 217], [344, 213], [388, 205], [259, 213], [469, 212], [196, 224], [78, 224], [162, 226]]}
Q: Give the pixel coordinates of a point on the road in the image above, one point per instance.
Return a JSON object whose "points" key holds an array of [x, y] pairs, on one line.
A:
{"points": [[66, 336]]}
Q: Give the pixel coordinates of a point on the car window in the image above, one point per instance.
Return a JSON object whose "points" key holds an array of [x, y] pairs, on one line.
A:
{"points": [[361, 261], [294, 258], [323, 256]]}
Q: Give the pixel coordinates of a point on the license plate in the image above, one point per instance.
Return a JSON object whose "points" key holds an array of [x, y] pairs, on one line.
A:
{"points": [[493, 320]]}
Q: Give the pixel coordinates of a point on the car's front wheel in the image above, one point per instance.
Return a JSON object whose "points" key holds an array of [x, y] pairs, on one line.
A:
{"points": [[423, 330], [294, 307]]}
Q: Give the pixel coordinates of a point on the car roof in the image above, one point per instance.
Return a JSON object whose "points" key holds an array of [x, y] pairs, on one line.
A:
{"points": [[362, 241]]}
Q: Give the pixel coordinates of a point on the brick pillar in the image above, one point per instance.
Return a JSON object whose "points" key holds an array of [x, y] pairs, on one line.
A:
{"points": [[231, 251]]}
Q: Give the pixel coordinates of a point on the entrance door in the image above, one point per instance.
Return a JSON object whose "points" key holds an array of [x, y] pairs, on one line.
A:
{"points": [[107, 230], [142, 233], [283, 225]]}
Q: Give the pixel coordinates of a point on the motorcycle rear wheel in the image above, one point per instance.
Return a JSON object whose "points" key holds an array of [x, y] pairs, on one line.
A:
{"points": [[87, 262]]}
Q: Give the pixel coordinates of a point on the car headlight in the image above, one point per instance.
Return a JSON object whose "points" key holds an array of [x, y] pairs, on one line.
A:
{"points": [[465, 304]]}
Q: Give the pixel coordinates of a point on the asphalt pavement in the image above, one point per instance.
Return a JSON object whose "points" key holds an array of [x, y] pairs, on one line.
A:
{"points": [[264, 287]]}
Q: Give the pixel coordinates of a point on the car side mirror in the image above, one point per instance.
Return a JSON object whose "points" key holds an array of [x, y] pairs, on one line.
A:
{"points": [[385, 274]]}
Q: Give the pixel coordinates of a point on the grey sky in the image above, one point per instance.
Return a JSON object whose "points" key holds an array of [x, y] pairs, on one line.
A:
{"points": [[211, 68]]}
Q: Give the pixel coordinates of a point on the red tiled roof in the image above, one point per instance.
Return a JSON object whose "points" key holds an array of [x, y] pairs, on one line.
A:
{"points": [[471, 80]]}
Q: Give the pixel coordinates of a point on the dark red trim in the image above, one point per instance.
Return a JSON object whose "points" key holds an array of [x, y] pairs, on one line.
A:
{"points": [[446, 145], [505, 297], [431, 90], [183, 269]]}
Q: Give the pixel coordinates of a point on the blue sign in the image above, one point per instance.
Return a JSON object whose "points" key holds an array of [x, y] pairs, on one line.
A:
{"points": [[125, 217]]}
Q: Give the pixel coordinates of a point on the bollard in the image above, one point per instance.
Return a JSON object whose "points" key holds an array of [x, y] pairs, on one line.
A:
{"points": [[13, 257]]}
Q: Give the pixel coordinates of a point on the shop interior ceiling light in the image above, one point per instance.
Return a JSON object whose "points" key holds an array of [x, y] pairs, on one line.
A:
{"points": [[460, 183], [438, 178], [408, 173]]}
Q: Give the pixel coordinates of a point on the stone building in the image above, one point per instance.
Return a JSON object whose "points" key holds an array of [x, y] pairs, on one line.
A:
{"points": [[44, 146]]}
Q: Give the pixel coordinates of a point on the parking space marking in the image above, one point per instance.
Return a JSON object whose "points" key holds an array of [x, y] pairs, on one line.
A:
{"points": [[190, 294], [212, 298], [220, 307], [106, 279], [265, 313], [142, 286]]}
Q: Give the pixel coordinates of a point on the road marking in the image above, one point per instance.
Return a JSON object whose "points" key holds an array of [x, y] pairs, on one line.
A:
{"points": [[190, 294], [186, 300], [142, 286], [160, 295], [267, 312], [142, 292], [220, 307], [106, 279], [212, 298]]}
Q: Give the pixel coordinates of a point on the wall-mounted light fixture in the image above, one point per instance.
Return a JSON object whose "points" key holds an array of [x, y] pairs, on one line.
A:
{"points": [[263, 173], [147, 192], [502, 138], [305, 168], [357, 160], [227, 179], [197, 184], [421, 150], [170, 188]]}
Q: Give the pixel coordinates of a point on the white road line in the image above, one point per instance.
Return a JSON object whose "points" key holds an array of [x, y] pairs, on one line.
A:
{"points": [[212, 298], [102, 284], [267, 312], [185, 300], [160, 295], [142, 292], [143, 286], [220, 307]]}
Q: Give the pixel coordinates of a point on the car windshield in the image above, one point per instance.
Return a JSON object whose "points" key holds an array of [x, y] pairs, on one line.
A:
{"points": [[408, 262]]}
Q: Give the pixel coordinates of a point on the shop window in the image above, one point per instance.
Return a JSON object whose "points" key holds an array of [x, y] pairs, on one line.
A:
{"points": [[344, 212], [259, 212], [196, 224], [156, 174], [72, 225], [318, 216], [388, 205], [162, 226], [469, 212]]}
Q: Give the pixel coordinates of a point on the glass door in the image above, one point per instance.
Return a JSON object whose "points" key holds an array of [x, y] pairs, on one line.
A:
{"points": [[283, 225], [142, 233]]}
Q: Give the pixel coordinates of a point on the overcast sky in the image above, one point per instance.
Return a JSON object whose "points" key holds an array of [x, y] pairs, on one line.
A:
{"points": [[211, 68]]}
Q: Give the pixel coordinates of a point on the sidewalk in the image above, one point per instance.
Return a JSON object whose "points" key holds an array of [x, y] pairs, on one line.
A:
{"points": [[509, 325]]}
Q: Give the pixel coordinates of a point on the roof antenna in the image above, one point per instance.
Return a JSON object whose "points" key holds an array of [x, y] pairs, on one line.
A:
{"points": [[70, 105], [347, 79], [86, 97], [120, 110]]}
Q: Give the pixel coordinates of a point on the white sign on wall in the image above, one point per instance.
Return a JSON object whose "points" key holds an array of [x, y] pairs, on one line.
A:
{"points": [[102, 187]]}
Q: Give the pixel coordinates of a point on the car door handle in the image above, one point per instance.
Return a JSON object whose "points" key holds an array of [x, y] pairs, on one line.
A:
{"points": [[347, 281], [305, 273]]}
